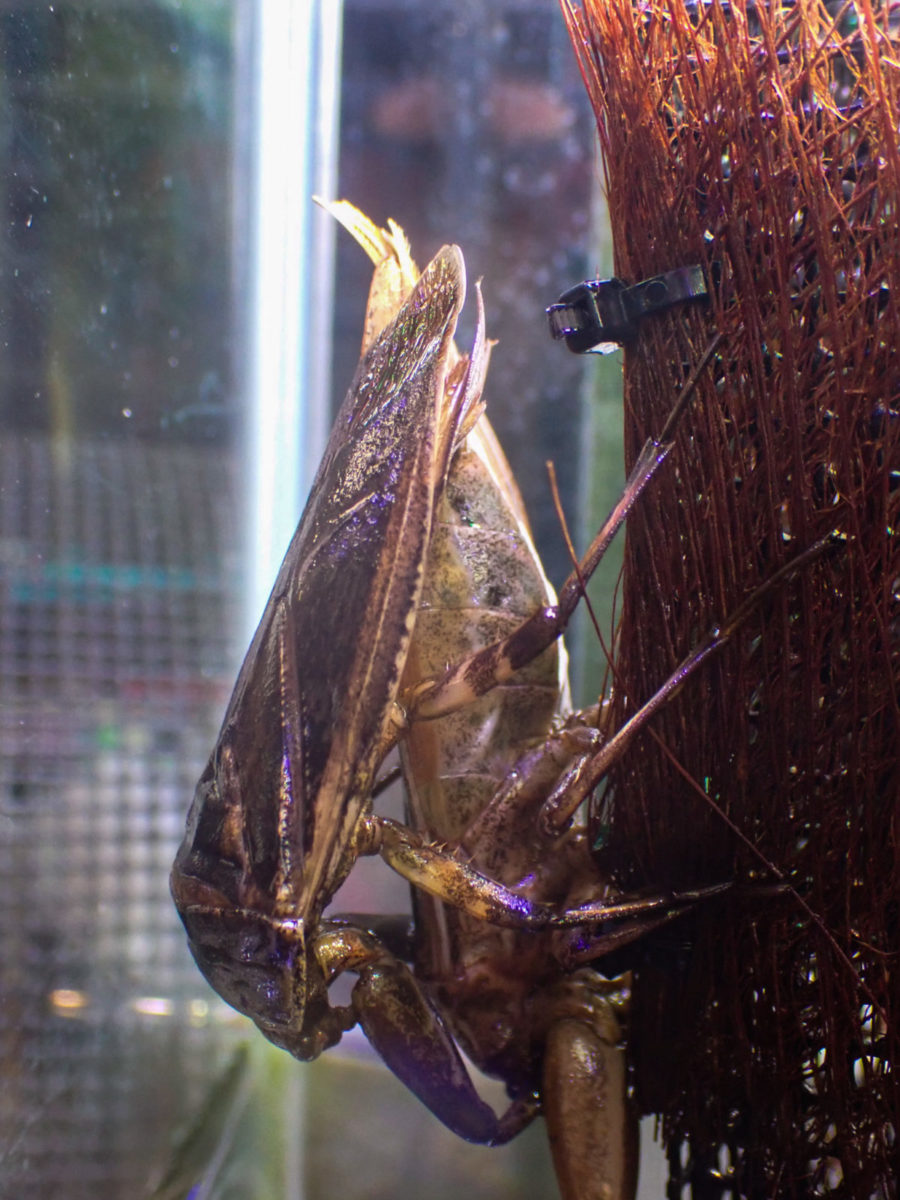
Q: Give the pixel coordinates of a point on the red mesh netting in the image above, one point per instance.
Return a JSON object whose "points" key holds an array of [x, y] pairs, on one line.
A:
{"points": [[762, 141]]}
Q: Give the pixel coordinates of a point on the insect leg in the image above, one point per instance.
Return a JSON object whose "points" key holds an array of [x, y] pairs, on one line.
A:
{"points": [[534, 777], [587, 772], [406, 1030], [435, 869], [591, 1125], [394, 931]]}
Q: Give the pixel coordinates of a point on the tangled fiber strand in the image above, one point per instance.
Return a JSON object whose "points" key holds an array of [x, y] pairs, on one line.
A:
{"points": [[761, 141]]}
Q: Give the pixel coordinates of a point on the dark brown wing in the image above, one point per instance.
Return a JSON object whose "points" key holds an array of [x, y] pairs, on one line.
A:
{"points": [[292, 769]]}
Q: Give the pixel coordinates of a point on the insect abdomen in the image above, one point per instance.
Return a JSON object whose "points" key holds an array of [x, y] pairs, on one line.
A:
{"points": [[482, 579]]}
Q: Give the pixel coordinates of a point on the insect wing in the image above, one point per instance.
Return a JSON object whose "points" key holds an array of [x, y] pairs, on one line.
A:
{"points": [[395, 272], [274, 814]]}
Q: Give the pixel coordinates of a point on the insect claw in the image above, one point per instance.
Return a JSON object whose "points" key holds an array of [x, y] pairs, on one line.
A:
{"points": [[396, 724], [692, 895], [369, 835], [557, 811]]}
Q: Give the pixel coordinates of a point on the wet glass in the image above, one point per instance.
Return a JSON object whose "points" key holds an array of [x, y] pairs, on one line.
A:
{"points": [[130, 300]]}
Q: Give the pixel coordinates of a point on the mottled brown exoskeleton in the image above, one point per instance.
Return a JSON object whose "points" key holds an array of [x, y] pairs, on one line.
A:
{"points": [[413, 553]]}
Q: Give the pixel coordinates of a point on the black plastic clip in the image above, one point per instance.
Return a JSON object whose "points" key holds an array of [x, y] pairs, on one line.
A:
{"points": [[600, 314]]}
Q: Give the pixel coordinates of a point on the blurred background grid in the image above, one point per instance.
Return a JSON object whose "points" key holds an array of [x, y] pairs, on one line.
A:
{"points": [[135, 310]]}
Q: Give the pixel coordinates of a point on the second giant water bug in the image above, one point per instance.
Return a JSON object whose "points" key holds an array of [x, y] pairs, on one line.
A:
{"points": [[347, 663]]}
